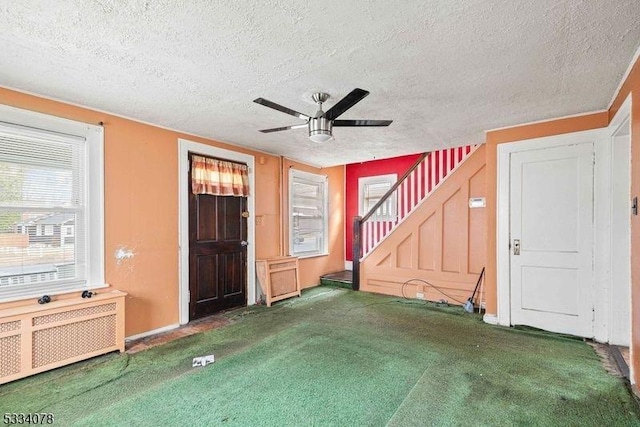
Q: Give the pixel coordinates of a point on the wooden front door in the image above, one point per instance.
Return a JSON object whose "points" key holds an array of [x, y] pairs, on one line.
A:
{"points": [[217, 253]]}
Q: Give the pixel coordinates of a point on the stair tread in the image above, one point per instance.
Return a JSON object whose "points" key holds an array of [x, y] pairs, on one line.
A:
{"points": [[345, 276]]}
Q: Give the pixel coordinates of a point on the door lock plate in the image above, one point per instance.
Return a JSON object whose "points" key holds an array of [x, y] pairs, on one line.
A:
{"points": [[516, 246]]}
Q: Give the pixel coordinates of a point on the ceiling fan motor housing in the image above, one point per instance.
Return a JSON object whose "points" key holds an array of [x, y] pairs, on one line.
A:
{"points": [[320, 129]]}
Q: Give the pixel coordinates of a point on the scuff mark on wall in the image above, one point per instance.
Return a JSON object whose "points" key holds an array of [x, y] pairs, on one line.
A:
{"points": [[123, 253]]}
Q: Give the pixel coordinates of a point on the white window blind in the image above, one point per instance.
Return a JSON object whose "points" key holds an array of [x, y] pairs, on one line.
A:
{"points": [[45, 228], [309, 218]]}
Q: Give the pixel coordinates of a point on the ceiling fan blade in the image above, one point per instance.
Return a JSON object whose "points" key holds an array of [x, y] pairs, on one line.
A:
{"points": [[362, 123], [283, 128], [279, 107], [345, 103]]}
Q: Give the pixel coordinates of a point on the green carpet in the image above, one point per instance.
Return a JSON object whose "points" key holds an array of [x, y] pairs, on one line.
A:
{"points": [[338, 357]]}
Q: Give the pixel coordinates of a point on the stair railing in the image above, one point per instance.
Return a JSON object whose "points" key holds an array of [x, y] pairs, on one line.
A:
{"points": [[408, 192]]}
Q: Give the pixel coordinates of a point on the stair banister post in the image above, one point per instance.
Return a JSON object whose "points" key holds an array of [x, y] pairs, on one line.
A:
{"points": [[357, 252]]}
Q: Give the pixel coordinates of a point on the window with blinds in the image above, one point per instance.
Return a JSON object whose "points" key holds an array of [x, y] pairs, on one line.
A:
{"points": [[48, 233], [308, 200], [371, 189]]}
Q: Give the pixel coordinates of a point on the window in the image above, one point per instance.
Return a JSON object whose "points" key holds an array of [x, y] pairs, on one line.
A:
{"points": [[371, 189], [51, 175], [308, 202]]}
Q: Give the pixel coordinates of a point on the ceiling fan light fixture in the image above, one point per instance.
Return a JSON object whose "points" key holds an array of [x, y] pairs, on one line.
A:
{"points": [[320, 136], [320, 129]]}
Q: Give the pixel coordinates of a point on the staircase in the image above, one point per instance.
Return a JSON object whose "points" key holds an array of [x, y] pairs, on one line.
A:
{"points": [[415, 186], [340, 279]]}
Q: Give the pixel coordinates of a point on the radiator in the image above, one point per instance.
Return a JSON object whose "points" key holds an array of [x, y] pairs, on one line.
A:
{"points": [[278, 278], [36, 338]]}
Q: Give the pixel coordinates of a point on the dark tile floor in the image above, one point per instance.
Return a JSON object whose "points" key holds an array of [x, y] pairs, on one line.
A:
{"points": [[197, 326]]}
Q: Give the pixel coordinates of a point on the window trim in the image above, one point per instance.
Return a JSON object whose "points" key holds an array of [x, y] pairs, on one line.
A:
{"points": [[94, 189], [317, 178], [377, 179]]}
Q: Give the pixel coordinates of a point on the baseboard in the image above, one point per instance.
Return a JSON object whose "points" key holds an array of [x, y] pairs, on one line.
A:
{"points": [[348, 265], [152, 332], [491, 319]]}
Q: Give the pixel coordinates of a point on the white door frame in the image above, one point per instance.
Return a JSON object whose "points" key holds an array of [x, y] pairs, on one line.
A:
{"points": [[184, 147], [622, 118], [503, 207]]}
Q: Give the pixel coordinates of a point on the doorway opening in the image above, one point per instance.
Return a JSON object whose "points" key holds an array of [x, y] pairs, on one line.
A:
{"points": [[184, 148]]}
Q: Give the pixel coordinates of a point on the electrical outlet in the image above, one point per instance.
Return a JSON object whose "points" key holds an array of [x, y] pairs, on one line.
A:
{"points": [[419, 295]]}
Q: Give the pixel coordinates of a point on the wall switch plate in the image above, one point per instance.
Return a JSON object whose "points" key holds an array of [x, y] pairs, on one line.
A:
{"points": [[419, 295], [477, 202]]}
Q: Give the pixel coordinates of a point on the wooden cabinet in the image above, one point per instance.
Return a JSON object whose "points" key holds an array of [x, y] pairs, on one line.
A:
{"points": [[278, 278]]}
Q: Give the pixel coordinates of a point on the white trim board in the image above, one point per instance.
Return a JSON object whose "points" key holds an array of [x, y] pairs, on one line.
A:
{"points": [[184, 147], [622, 118], [490, 319], [152, 332]]}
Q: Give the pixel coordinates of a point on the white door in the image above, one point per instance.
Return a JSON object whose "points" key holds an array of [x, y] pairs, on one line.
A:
{"points": [[551, 226]]}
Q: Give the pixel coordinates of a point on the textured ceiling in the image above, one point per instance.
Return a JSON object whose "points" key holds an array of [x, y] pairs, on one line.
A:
{"points": [[443, 70]]}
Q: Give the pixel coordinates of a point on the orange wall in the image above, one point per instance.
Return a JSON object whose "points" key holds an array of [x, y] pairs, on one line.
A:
{"points": [[312, 268], [442, 242], [141, 209]]}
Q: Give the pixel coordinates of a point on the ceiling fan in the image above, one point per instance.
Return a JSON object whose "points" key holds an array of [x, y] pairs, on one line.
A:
{"points": [[321, 124]]}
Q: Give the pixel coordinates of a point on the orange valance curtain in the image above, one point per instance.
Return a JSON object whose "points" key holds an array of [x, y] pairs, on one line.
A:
{"points": [[218, 177]]}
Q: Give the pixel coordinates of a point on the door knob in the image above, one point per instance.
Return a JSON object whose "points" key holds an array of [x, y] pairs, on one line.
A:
{"points": [[244, 243]]}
